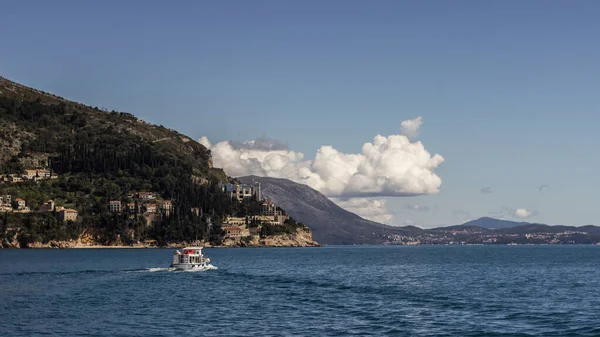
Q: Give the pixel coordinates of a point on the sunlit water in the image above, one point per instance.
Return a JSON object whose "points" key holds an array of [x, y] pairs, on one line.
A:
{"points": [[330, 291]]}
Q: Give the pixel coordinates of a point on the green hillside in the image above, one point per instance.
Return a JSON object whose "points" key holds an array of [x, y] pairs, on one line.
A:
{"points": [[99, 156]]}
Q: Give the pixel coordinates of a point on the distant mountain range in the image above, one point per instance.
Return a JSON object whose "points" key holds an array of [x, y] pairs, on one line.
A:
{"points": [[491, 223], [333, 225]]}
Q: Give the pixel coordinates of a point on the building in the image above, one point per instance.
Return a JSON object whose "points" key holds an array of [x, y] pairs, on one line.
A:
{"points": [[44, 174], [15, 179], [269, 208], [234, 221], [151, 208], [242, 191], [166, 206], [114, 206], [30, 174], [270, 219], [131, 208], [48, 206], [6, 199], [5, 203], [146, 196], [236, 232], [20, 203], [67, 214]]}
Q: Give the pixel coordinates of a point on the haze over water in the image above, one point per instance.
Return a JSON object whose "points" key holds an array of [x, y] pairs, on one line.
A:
{"points": [[331, 291]]}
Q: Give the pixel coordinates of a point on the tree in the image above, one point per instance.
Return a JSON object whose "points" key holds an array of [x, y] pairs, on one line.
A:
{"points": [[4, 228]]}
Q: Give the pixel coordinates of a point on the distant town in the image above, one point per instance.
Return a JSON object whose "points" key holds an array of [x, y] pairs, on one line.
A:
{"points": [[480, 236]]}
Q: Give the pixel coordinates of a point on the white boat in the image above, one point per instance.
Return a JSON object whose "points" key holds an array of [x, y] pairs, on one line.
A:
{"points": [[190, 258]]}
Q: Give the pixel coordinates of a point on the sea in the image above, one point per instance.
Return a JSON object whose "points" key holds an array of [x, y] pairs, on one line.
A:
{"points": [[325, 291]]}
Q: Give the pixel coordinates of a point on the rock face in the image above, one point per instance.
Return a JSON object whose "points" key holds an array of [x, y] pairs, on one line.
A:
{"points": [[302, 238], [330, 224]]}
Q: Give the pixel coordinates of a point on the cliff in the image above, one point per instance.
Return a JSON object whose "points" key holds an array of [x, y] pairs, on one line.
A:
{"points": [[302, 238]]}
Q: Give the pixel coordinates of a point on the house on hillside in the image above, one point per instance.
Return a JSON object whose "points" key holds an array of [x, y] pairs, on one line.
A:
{"points": [[20, 203], [48, 206], [44, 174], [6, 199], [236, 232], [30, 174], [114, 206], [242, 191], [131, 208], [234, 221], [13, 178], [151, 208], [5, 203], [145, 196], [166, 207], [67, 214]]}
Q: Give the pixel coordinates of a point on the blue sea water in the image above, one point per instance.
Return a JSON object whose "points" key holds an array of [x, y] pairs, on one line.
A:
{"points": [[329, 291]]}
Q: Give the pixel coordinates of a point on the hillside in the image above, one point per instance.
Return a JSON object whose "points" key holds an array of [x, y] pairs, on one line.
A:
{"points": [[36, 125], [329, 223], [57, 154]]}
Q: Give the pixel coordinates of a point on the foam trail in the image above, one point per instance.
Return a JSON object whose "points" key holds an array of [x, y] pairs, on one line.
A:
{"points": [[208, 267], [153, 270]]}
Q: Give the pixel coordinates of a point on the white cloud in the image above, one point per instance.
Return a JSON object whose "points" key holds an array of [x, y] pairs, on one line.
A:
{"points": [[410, 128], [512, 213], [387, 166], [522, 213], [368, 208]]}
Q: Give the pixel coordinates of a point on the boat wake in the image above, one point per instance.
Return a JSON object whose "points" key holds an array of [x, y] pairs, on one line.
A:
{"points": [[155, 270], [208, 267]]}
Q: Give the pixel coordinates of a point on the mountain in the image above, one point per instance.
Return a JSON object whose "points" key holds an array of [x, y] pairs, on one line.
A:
{"points": [[491, 223], [329, 223]]}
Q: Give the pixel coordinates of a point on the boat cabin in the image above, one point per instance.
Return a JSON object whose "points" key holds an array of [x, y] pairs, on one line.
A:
{"points": [[188, 255]]}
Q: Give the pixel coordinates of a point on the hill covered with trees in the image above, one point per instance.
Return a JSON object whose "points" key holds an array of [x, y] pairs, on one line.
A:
{"points": [[96, 156]]}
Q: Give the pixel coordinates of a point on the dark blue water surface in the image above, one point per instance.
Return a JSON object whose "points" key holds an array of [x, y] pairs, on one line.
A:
{"points": [[331, 291]]}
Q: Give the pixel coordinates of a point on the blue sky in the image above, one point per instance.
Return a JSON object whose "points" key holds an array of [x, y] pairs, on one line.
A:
{"points": [[508, 90]]}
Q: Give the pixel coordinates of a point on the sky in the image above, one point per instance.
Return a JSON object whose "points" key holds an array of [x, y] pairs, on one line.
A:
{"points": [[502, 96]]}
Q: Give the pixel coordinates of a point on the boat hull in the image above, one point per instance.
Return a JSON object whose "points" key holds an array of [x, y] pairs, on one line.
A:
{"points": [[189, 266]]}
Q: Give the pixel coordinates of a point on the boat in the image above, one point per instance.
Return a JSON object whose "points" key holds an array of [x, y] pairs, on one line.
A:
{"points": [[190, 258]]}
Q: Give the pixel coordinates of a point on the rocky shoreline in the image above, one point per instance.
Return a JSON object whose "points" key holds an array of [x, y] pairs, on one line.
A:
{"points": [[300, 239]]}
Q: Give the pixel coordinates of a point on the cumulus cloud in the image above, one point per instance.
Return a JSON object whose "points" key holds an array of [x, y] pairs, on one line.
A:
{"points": [[515, 213], [522, 213], [368, 208], [418, 208], [487, 190], [410, 128], [387, 166]]}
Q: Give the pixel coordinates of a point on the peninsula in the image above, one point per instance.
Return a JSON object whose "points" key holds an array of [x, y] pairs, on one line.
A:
{"points": [[74, 176]]}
